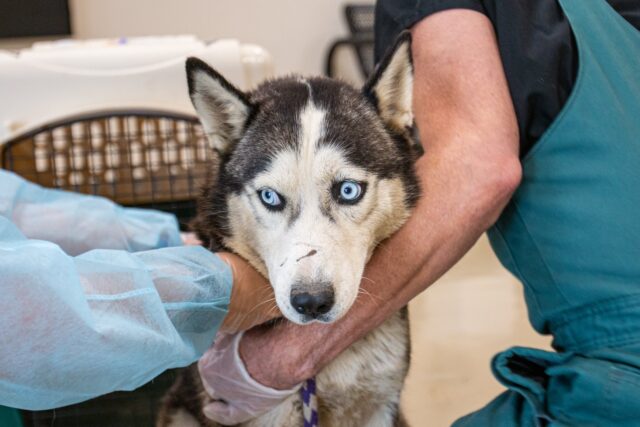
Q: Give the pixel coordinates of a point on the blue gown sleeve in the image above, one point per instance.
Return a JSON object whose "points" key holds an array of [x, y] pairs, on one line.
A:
{"points": [[78, 223], [76, 327]]}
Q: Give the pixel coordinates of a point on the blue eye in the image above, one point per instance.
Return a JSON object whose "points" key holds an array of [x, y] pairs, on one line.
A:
{"points": [[349, 192], [271, 199]]}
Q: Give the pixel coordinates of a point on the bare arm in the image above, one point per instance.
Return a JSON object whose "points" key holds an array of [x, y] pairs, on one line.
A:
{"points": [[468, 173]]}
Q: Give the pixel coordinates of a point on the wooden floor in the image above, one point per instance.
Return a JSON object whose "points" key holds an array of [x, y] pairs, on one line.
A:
{"points": [[458, 325]]}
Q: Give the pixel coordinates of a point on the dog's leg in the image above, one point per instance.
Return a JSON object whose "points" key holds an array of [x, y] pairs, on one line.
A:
{"points": [[362, 386], [384, 416], [366, 379], [182, 404], [287, 414], [182, 418]]}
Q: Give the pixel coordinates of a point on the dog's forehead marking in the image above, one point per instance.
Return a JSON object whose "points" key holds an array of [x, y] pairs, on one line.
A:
{"points": [[309, 88], [311, 131]]}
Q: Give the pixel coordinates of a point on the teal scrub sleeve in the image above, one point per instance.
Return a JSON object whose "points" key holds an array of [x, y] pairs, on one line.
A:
{"points": [[78, 223]]}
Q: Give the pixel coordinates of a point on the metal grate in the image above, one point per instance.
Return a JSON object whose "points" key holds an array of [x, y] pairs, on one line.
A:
{"points": [[140, 158]]}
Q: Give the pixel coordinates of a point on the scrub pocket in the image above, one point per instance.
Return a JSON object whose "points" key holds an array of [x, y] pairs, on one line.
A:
{"points": [[560, 389]]}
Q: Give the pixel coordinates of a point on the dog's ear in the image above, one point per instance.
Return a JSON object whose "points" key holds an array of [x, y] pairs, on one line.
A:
{"points": [[390, 87], [223, 109]]}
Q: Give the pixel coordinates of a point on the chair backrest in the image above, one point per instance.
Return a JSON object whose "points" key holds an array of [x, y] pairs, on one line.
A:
{"points": [[360, 19], [143, 158]]}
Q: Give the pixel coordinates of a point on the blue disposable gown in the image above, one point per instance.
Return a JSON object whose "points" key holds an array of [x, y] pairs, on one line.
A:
{"points": [[95, 297]]}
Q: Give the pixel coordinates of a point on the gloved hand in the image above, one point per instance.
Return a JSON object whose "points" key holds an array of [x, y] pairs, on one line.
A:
{"points": [[252, 301], [236, 397]]}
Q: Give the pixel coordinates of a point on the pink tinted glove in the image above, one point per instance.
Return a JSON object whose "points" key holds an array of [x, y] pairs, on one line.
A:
{"points": [[236, 397]]}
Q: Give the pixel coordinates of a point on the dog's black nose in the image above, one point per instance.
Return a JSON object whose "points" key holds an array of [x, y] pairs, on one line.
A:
{"points": [[312, 303]]}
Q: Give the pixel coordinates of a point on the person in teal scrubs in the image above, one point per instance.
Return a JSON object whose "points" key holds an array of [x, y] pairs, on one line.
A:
{"points": [[96, 298], [571, 234], [529, 111]]}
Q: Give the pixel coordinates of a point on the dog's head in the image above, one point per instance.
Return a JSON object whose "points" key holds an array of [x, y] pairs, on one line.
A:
{"points": [[313, 175]]}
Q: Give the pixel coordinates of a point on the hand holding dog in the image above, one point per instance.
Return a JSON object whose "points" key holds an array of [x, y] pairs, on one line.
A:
{"points": [[235, 396], [252, 301]]}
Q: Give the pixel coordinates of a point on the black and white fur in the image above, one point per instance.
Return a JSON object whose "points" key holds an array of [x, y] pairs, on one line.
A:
{"points": [[303, 137]]}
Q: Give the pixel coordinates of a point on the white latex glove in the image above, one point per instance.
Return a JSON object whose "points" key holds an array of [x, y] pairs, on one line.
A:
{"points": [[236, 397]]}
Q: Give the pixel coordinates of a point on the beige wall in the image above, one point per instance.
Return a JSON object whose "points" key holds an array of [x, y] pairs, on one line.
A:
{"points": [[296, 32]]}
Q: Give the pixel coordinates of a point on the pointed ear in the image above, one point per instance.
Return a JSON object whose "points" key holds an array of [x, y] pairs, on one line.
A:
{"points": [[223, 109], [390, 88]]}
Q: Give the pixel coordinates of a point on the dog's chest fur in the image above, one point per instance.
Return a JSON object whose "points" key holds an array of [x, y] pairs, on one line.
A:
{"points": [[359, 388]]}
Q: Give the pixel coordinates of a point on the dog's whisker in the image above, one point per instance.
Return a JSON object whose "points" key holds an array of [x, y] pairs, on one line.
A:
{"points": [[255, 307], [375, 299], [363, 290], [369, 280]]}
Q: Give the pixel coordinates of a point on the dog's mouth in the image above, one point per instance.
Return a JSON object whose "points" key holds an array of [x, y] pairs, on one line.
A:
{"points": [[312, 305], [302, 316], [305, 320]]}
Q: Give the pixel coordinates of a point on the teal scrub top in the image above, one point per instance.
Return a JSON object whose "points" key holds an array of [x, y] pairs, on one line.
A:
{"points": [[571, 234]]}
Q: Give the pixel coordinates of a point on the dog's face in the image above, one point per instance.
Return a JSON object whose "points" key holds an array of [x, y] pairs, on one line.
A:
{"points": [[313, 175]]}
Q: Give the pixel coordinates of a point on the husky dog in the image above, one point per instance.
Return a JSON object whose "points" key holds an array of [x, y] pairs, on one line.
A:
{"points": [[313, 175]]}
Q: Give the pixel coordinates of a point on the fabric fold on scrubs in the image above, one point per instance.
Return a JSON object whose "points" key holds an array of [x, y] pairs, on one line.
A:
{"points": [[562, 389]]}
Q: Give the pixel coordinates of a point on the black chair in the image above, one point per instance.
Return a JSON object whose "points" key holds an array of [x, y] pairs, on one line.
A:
{"points": [[360, 19]]}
